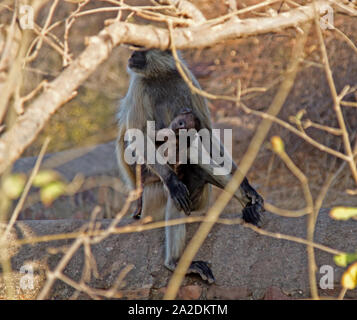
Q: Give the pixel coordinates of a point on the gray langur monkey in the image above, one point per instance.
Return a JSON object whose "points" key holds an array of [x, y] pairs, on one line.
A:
{"points": [[157, 92]]}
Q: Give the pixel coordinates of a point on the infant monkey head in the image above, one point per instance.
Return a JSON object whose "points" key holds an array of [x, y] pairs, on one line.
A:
{"points": [[185, 120]]}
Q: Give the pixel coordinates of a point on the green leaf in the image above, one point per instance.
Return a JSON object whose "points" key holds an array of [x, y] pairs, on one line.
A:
{"points": [[342, 260], [14, 185], [52, 191], [300, 114], [45, 177], [343, 213]]}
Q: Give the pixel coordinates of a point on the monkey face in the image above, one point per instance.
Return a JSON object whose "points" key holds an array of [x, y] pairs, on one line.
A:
{"points": [[137, 61], [153, 63], [185, 120]]}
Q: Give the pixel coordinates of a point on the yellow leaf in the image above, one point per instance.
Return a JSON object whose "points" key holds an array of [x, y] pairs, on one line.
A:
{"points": [[45, 177], [349, 278], [343, 213], [52, 191], [14, 185], [277, 144]]}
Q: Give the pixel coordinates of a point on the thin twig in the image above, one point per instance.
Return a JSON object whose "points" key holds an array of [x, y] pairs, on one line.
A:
{"points": [[336, 99]]}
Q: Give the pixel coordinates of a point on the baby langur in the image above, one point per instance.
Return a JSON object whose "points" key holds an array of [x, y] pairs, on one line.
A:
{"points": [[186, 120], [157, 92]]}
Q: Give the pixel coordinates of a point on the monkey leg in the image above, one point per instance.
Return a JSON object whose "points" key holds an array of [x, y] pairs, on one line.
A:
{"points": [[174, 235], [154, 201], [147, 178], [175, 244]]}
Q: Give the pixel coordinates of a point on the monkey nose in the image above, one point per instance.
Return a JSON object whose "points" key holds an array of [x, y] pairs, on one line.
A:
{"points": [[137, 59]]}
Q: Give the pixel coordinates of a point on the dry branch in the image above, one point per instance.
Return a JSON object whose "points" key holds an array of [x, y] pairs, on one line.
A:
{"points": [[62, 89], [187, 8]]}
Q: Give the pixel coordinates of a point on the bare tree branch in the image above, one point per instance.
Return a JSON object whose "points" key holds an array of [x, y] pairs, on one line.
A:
{"points": [[186, 8], [27, 126]]}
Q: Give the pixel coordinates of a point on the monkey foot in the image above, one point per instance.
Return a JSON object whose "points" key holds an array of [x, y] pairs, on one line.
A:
{"points": [[198, 267], [202, 268]]}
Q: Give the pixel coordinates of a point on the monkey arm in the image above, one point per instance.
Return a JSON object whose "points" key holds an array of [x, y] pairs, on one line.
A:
{"points": [[178, 191], [251, 201], [249, 198], [246, 194]]}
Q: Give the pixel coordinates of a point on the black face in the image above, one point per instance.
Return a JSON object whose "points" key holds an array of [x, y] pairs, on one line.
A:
{"points": [[138, 60]]}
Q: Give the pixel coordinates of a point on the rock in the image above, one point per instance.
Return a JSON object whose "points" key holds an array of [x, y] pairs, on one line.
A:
{"points": [[274, 293], [228, 293], [91, 161], [97, 164], [136, 294], [192, 292], [244, 263]]}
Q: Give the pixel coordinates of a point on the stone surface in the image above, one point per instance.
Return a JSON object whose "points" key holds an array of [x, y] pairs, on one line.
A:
{"points": [[244, 263], [274, 293], [228, 293], [192, 292], [91, 161]]}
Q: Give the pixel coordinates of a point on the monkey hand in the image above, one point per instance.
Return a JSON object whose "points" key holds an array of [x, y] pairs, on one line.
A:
{"points": [[254, 208], [251, 213], [179, 193]]}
